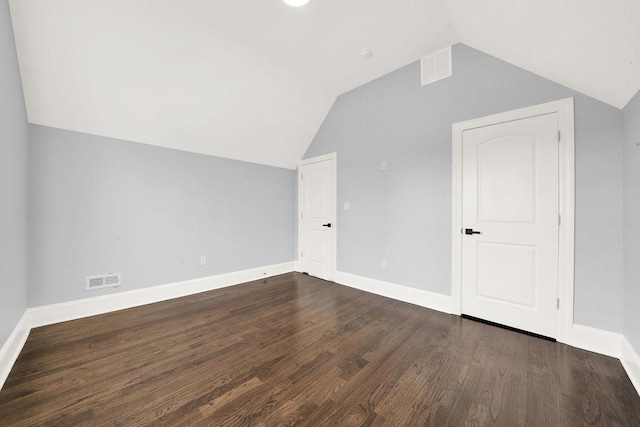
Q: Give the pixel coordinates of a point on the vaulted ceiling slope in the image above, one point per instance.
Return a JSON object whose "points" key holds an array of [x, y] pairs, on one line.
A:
{"points": [[253, 79], [591, 46], [249, 80]]}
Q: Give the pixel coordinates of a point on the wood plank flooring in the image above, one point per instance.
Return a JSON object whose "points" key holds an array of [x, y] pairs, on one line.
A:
{"points": [[295, 350]]}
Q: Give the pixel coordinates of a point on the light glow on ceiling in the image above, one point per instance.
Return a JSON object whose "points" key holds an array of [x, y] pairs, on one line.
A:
{"points": [[296, 3]]}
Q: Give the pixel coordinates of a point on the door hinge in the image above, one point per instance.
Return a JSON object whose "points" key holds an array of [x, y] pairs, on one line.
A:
{"points": [[558, 303], [302, 215], [301, 176], [559, 219], [559, 136], [301, 254]]}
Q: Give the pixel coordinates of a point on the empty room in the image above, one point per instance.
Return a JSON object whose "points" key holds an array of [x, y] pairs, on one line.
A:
{"points": [[319, 212]]}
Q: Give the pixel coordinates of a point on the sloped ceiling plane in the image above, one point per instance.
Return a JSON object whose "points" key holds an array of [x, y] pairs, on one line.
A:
{"points": [[254, 79]]}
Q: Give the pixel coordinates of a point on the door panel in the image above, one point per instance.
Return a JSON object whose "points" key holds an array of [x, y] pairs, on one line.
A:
{"points": [[506, 273], [510, 195], [507, 200], [317, 247], [317, 180]]}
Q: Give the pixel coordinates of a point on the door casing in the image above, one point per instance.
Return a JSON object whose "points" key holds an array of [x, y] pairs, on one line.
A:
{"points": [[565, 110], [334, 224]]}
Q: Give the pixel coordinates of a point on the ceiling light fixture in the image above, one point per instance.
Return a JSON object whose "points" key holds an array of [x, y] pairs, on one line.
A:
{"points": [[296, 3]]}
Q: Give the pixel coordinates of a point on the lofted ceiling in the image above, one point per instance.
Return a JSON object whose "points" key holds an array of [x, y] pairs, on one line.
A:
{"points": [[253, 79], [243, 79], [591, 46]]}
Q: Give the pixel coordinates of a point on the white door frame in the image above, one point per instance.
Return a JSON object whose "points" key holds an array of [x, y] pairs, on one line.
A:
{"points": [[564, 109], [334, 224]]}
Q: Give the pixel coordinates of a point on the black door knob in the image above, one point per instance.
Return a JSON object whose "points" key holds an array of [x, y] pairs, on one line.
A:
{"points": [[470, 231], [327, 225]]}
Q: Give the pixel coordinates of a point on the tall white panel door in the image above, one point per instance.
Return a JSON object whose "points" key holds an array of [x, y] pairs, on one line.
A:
{"points": [[510, 217], [316, 216]]}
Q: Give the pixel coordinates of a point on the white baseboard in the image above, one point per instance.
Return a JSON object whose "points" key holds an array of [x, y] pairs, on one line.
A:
{"points": [[596, 340], [56, 313], [587, 338], [415, 296], [12, 348], [584, 337], [630, 359], [610, 344]]}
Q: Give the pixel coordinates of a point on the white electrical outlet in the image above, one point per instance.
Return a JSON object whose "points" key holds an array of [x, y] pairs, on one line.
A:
{"points": [[347, 206], [383, 263], [203, 260], [384, 165]]}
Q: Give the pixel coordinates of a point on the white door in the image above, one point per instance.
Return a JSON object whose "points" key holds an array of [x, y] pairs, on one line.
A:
{"points": [[316, 215], [510, 223]]}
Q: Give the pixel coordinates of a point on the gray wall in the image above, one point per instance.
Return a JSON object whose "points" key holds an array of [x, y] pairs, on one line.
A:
{"points": [[404, 214], [101, 205], [631, 221], [13, 183]]}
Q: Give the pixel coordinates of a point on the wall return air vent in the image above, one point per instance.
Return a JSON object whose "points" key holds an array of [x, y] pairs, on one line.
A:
{"points": [[436, 67], [108, 280]]}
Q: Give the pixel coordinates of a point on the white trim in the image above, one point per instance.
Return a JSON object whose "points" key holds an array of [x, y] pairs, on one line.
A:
{"points": [[564, 109], [432, 300], [584, 337], [596, 340], [56, 313], [566, 252], [12, 348], [334, 224], [610, 344], [630, 360]]}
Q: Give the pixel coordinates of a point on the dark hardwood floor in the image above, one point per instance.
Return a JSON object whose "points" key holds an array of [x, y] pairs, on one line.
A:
{"points": [[295, 350]]}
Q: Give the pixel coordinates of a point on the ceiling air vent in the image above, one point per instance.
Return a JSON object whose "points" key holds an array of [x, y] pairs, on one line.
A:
{"points": [[436, 67], [109, 280]]}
